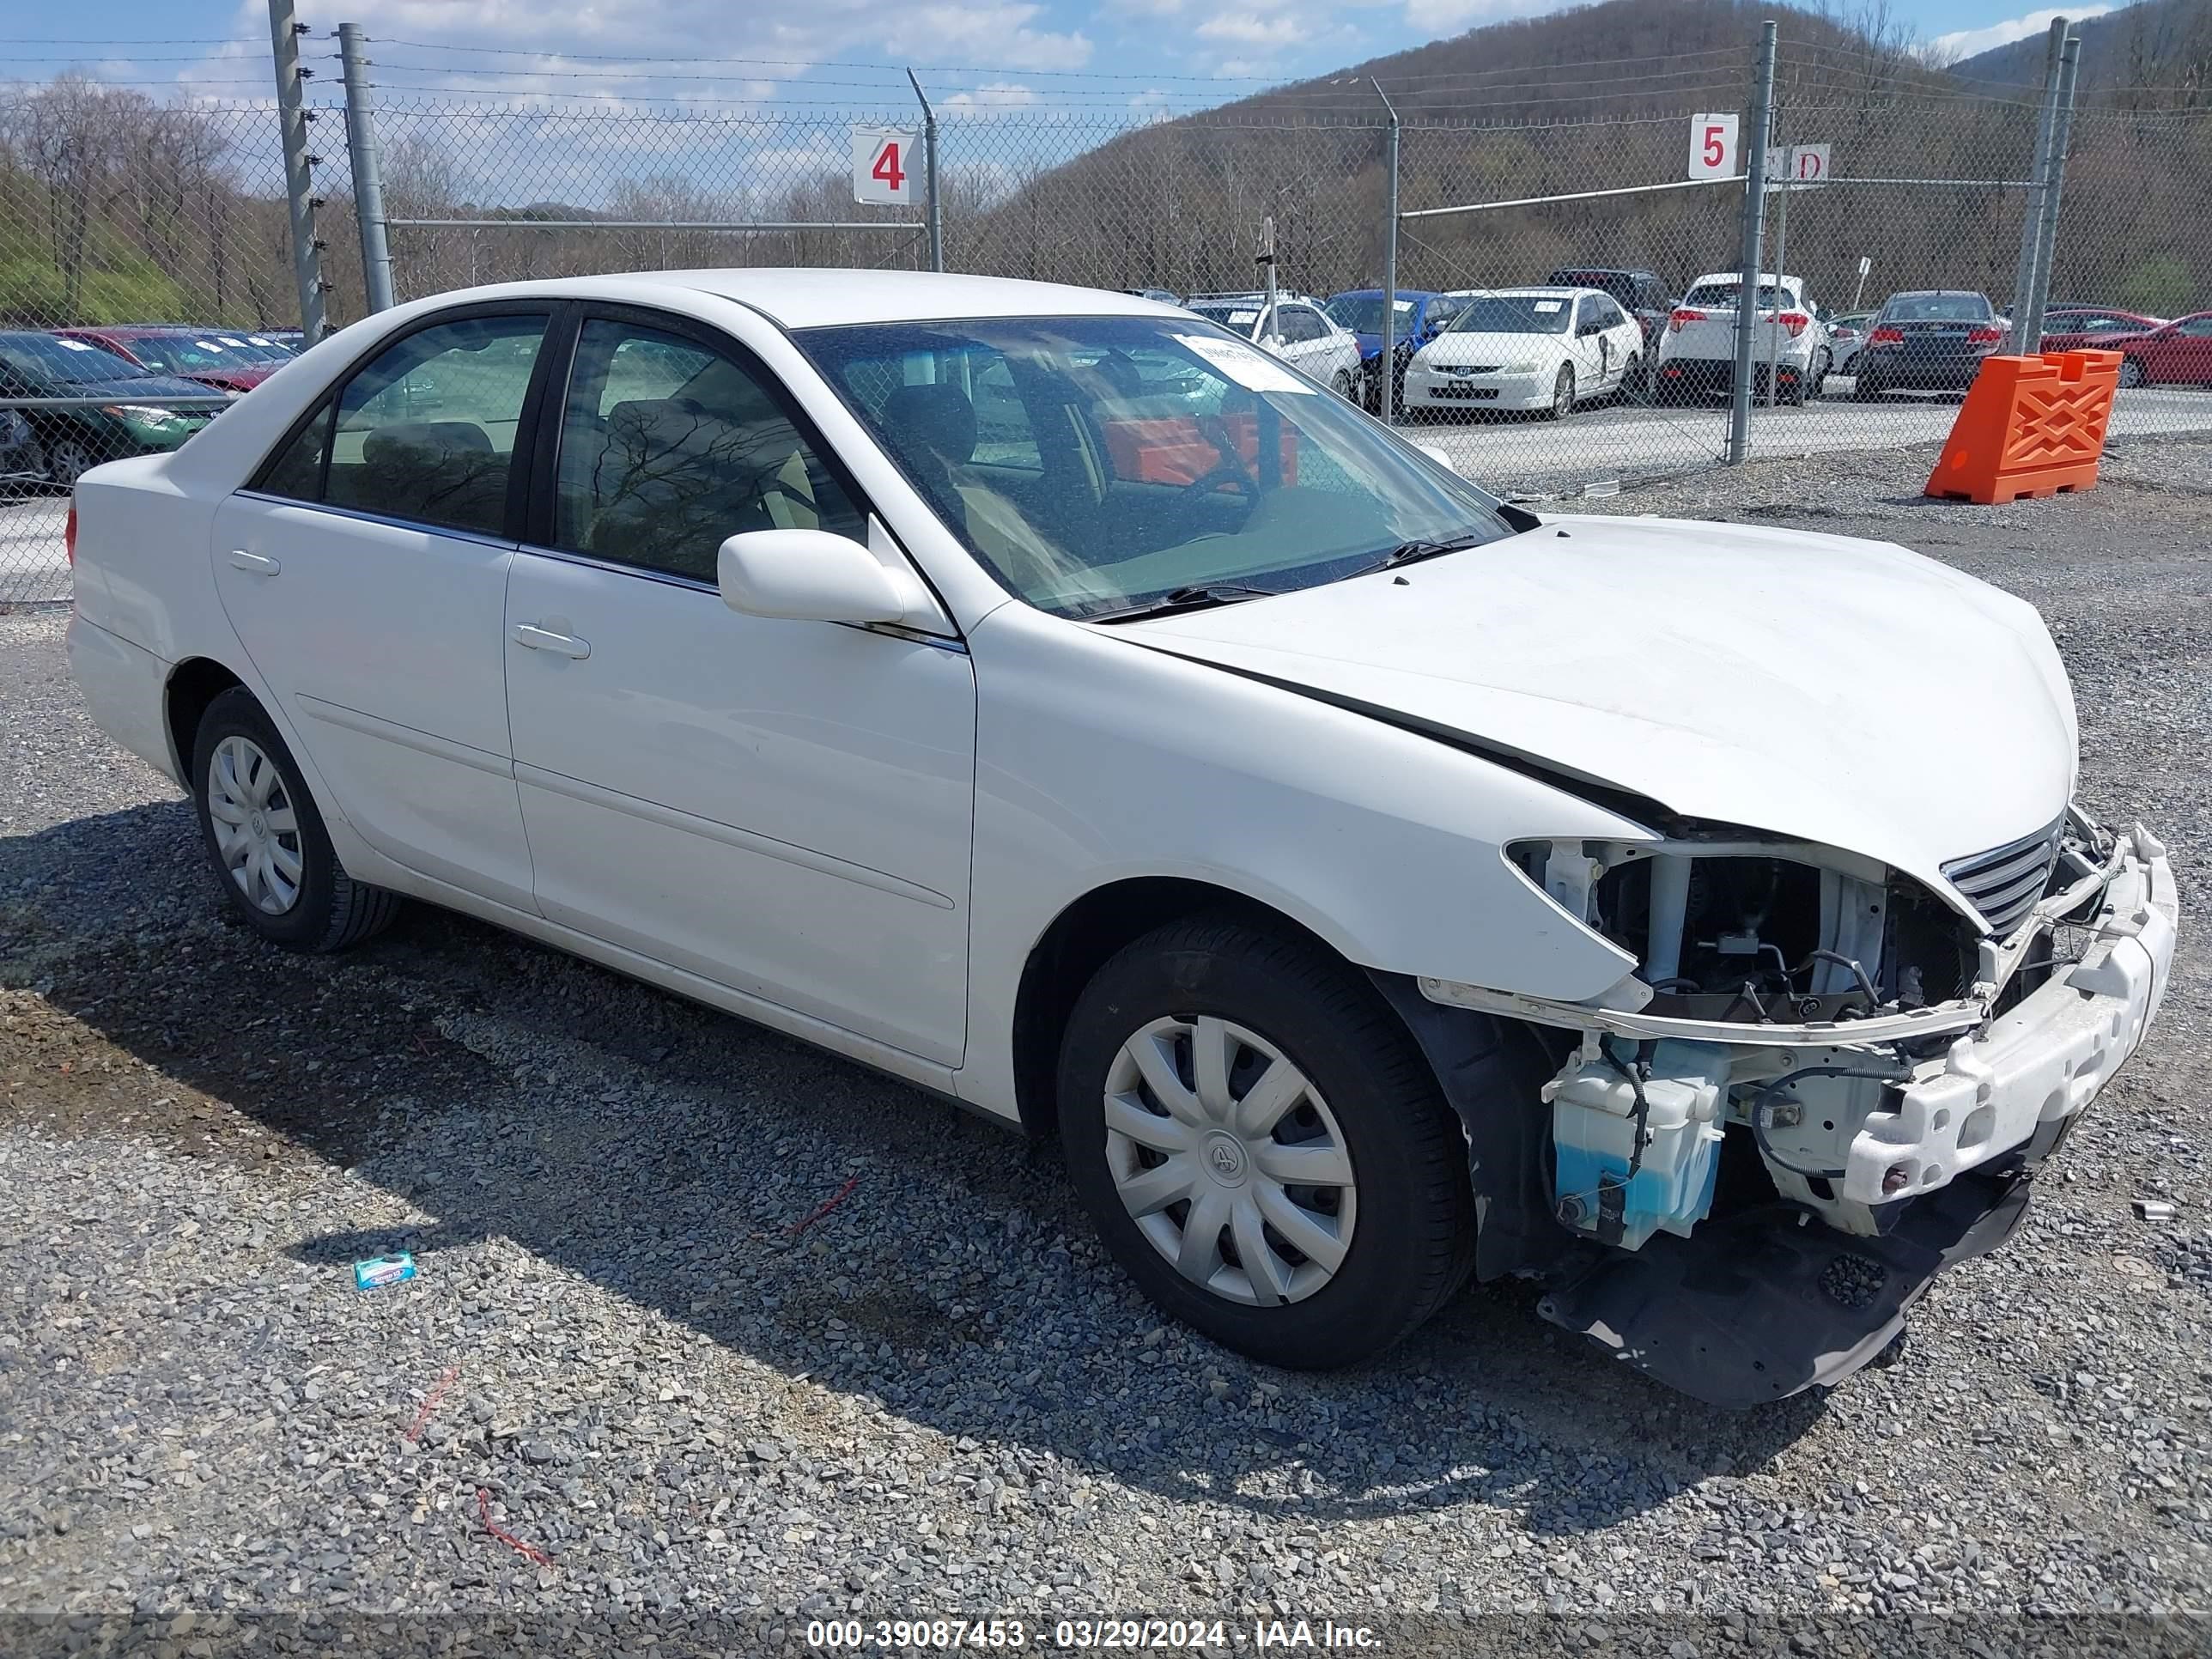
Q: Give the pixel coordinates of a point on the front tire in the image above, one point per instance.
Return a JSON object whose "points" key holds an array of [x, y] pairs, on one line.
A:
{"points": [[1562, 394], [2131, 374], [68, 459], [265, 839], [1262, 1146]]}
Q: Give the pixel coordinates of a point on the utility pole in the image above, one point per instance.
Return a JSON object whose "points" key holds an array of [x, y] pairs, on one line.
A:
{"points": [[368, 171], [299, 177], [1386, 366], [2061, 137], [2022, 342], [1755, 236], [929, 175]]}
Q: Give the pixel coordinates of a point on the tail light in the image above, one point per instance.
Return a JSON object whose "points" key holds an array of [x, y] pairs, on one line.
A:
{"points": [[1795, 321], [1682, 314], [1886, 336], [1985, 336], [69, 533]]}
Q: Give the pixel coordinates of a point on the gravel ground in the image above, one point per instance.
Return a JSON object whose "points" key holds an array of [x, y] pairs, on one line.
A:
{"points": [[692, 1418]]}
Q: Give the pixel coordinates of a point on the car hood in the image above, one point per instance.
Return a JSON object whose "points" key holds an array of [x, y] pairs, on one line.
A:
{"points": [[1504, 348], [1815, 687], [142, 389]]}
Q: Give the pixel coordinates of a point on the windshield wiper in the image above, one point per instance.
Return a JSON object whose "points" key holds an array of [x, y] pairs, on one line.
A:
{"points": [[1414, 552], [1203, 597]]}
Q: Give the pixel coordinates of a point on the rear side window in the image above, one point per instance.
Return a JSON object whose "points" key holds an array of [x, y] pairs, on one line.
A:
{"points": [[425, 431]]}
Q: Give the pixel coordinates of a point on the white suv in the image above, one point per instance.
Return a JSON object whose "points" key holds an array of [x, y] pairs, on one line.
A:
{"points": [[1696, 351]]}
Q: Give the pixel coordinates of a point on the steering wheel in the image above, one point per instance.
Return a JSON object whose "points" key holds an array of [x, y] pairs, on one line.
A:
{"points": [[1228, 471]]}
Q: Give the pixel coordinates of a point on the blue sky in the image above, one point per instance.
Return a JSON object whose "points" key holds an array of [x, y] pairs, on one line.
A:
{"points": [[1099, 55]]}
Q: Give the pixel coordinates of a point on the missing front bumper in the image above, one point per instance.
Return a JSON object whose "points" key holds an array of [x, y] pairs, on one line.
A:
{"points": [[1768, 1303]]}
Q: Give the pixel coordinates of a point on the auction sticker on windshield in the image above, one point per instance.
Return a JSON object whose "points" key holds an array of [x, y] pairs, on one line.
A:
{"points": [[1248, 367], [1547, 305]]}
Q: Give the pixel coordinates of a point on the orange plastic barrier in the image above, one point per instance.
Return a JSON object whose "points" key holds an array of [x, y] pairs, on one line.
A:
{"points": [[2030, 426], [1173, 449]]}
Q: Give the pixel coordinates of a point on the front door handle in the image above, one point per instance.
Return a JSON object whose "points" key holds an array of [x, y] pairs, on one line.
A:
{"points": [[532, 638], [255, 564]]}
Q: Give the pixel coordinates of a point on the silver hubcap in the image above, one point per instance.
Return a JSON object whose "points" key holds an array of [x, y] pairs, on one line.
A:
{"points": [[1228, 1160], [255, 830]]}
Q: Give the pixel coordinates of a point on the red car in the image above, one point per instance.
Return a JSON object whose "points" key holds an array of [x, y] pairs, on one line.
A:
{"points": [[224, 359], [2087, 328], [2179, 353]]}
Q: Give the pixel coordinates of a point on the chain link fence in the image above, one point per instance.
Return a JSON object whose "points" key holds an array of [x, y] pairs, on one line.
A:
{"points": [[1565, 310]]}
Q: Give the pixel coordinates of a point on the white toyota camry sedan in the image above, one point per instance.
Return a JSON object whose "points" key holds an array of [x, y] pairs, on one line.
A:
{"points": [[1044, 696]]}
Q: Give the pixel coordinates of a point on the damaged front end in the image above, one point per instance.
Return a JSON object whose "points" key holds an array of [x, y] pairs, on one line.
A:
{"points": [[1824, 1083]]}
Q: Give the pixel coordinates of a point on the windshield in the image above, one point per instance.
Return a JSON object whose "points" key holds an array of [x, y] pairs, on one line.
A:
{"points": [[1362, 313], [197, 354], [43, 358], [1937, 308], [1239, 317], [1514, 314], [1722, 295], [1095, 464]]}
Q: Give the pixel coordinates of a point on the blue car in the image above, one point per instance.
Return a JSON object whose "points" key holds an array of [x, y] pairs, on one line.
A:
{"points": [[1421, 316]]}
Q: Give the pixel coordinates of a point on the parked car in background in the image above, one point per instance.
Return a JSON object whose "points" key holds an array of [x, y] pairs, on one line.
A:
{"points": [[1368, 883], [1300, 332], [133, 416], [1419, 315], [21, 461], [1932, 340], [220, 359], [2091, 328], [1165, 296], [1643, 294], [1846, 334], [1539, 348], [1697, 353], [2179, 352]]}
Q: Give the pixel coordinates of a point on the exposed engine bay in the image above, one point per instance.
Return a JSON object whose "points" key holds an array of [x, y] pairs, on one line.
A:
{"points": [[1807, 1037]]}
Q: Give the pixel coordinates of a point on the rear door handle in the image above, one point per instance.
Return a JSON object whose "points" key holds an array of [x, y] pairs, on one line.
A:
{"points": [[532, 638], [255, 564]]}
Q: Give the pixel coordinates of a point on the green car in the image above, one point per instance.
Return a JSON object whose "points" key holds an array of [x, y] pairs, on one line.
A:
{"points": [[139, 412]]}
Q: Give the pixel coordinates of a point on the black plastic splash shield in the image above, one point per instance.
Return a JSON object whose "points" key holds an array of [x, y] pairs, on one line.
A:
{"points": [[1763, 1304]]}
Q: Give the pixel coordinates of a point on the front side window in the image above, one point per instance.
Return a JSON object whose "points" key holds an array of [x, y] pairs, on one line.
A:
{"points": [[1156, 455], [669, 447], [425, 431]]}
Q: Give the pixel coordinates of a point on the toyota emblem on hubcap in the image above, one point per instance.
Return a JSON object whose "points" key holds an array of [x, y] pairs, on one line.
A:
{"points": [[1225, 1159]]}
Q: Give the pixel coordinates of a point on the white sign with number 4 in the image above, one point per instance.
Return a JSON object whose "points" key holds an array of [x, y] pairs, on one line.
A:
{"points": [[885, 160], [1713, 147]]}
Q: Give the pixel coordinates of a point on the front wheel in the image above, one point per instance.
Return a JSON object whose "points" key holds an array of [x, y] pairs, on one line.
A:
{"points": [[265, 839], [68, 459], [1262, 1146], [2131, 374], [1562, 394]]}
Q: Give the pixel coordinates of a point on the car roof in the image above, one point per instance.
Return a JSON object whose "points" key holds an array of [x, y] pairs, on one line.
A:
{"points": [[803, 298], [1376, 292], [1737, 276], [1609, 270], [1533, 292], [1937, 294]]}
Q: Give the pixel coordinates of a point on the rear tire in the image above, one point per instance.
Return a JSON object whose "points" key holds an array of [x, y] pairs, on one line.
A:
{"points": [[265, 839], [1344, 386], [1365, 1107]]}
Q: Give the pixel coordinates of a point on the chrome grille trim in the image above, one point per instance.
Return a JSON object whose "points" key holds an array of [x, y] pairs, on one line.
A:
{"points": [[2004, 882]]}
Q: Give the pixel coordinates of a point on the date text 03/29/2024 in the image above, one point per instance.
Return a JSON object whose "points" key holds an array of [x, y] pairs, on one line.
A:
{"points": [[899, 1635]]}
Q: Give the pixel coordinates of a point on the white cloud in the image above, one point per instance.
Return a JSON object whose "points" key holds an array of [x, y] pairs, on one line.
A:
{"points": [[1965, 43], [1246, 28], [1001, 32], [991, 95]]}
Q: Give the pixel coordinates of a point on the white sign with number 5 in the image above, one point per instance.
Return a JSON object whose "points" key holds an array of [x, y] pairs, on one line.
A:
{"points": [[885, 160], [1713, 147]]}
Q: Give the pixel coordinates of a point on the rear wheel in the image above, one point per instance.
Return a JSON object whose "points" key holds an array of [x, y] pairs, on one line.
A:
{"points": [[1345, 387], [265, 839], [1262, 1146]]}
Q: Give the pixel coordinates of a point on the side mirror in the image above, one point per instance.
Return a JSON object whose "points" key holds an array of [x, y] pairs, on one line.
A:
{"points": [[810, 576]]}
